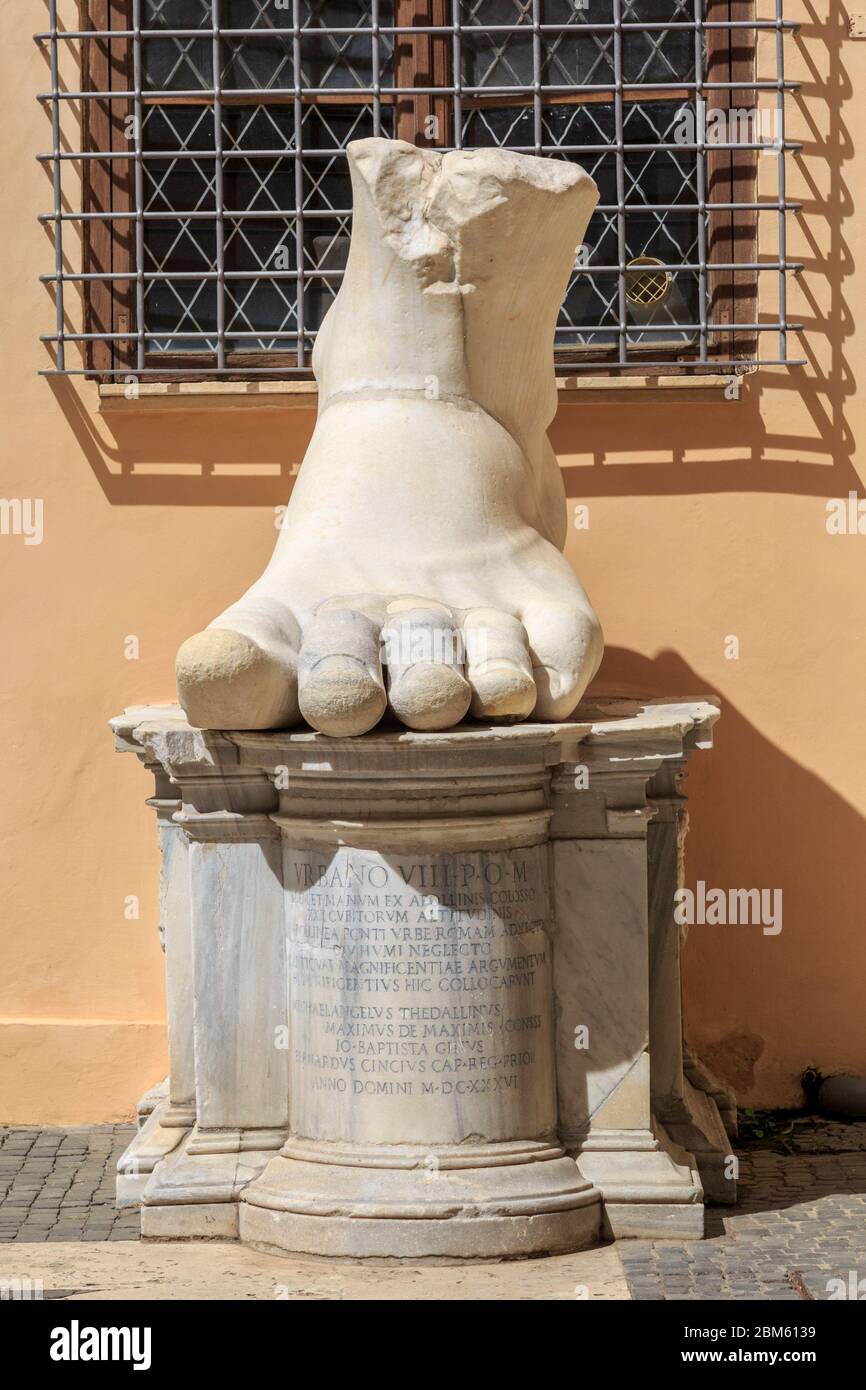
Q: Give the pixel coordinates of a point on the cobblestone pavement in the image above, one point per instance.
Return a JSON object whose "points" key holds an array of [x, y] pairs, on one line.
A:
{"points": [[58, 1184], [799, 1224]]}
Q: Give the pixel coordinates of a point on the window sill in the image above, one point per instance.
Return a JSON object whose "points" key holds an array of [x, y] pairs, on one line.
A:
{"points": [[165, 396]]}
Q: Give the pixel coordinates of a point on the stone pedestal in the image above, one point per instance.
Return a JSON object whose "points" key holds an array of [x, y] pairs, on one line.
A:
{"points": [[430, 988], [421, 1081], [167, 1112]]}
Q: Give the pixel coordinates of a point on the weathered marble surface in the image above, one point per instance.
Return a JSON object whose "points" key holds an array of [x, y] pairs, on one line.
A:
{"points": [[394, 941], [419, 568]]}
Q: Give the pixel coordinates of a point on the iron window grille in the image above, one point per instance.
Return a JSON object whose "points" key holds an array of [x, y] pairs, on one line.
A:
{"points": [[207, 138]]}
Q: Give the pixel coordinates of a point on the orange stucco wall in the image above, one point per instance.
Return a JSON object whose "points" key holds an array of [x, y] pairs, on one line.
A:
{"points": [[706, 521]]}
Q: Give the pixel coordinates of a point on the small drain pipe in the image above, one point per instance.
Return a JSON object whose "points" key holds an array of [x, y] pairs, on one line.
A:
{"points": [[837, 1097]]}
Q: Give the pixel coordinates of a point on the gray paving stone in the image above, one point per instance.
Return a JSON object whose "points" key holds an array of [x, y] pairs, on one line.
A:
{"points": [[803, 1211], [798, 1211]]}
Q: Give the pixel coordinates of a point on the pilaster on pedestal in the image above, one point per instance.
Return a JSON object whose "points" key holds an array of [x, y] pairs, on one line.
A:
{"points": [[194, 1192], [162, 1132], [688, 1112], [237, 987], [618, 1047], [167, 1113]]}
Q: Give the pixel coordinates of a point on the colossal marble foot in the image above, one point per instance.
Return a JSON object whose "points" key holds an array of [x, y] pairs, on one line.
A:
{"points": [[419, 568]]}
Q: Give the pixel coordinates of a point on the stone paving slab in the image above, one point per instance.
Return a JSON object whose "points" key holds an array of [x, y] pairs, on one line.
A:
{"points": [[58, 1185], [798, 1233], [175, 1270]]}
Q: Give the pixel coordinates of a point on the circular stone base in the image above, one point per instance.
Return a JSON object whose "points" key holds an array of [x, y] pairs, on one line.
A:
{"points": [[478, 1238], [502, 1201]]}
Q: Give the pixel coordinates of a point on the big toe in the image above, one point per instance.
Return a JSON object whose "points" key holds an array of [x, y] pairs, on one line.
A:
{"points": [[226, 680]]}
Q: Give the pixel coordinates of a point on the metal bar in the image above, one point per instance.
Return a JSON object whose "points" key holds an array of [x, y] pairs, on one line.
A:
{"points": [[780, 165], [677, 266], [286, 152], [219, 184], [538, 133], [298, 114], [138, 132], [248, 94], [75, 277], [375, 67], [58, 191], [255, 334], [646, 329], [787, 26], [736, 364], [701, 179], [620, 180], [457, 71], [332, 214]]}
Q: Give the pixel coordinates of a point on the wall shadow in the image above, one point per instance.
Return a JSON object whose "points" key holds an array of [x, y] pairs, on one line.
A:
{"points": [[758, 818], [245, 457]]}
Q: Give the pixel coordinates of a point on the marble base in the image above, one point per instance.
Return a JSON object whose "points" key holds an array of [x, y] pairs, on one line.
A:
{"points": [[652, 1188], [498, 1200], [161, 1132], [653, 1221], [194, 1191], [424, 988], [191, 1221]]}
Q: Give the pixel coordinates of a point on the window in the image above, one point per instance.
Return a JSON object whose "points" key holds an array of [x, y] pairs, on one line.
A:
{"points": [[216, 207]]}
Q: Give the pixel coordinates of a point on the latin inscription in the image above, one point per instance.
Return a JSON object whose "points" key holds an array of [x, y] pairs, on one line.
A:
{"points": [[422, 978]]}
